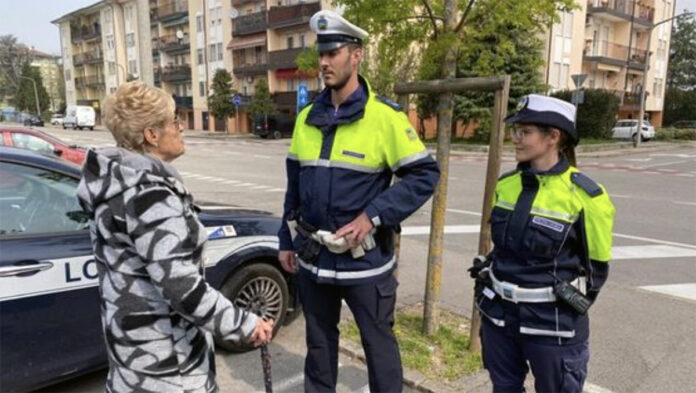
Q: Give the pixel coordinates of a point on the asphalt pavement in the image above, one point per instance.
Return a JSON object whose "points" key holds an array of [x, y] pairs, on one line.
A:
{"points": [[643, 325]]}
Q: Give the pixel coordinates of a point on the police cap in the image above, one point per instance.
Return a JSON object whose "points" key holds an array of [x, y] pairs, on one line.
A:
{"points": [[333, 31], [546, 111]]}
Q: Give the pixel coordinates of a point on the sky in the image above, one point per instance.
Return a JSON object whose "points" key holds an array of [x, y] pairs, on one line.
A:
{"points": [[30, 20]]}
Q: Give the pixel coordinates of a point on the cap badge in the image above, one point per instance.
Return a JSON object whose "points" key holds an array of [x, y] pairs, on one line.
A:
{"points": [[322, 23], [523, 103]]}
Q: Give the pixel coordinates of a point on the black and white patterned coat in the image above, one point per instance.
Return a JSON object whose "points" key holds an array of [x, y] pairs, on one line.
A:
{"points": [[158, 312]]}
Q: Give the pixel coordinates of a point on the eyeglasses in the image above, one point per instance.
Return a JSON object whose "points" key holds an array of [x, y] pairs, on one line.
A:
{"points": [[521, 132]]}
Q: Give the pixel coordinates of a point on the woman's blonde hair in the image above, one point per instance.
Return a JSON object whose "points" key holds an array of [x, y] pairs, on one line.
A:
{"points": [[134, 107]]}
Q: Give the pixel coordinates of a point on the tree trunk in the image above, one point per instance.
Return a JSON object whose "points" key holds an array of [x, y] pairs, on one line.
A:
{"points": [[431, 311]]}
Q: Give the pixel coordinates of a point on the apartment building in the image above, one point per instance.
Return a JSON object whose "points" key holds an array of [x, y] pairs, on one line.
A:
{"points": [[607, 40], [171, 53], [104, 45]]}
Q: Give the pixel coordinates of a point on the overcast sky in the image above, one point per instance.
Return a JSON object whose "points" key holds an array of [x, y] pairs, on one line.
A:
{"points": [[30, 20]]}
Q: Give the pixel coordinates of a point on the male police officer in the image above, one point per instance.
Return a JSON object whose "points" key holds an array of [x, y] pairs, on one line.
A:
{"points": [[345, 147]]}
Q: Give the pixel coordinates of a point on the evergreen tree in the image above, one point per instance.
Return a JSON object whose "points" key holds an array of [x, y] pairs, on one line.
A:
{"points": [[261, 102], [220, 101], [24, 99]]}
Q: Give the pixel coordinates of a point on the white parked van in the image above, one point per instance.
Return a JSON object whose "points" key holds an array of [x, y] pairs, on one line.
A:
{"points": [[79, 117]]}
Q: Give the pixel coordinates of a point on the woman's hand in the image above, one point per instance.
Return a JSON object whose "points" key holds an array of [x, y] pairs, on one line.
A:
{"points": [[263, 332]]}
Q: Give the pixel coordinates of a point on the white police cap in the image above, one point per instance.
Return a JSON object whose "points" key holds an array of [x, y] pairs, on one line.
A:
{"points": [[546, 111], [333, 31]]}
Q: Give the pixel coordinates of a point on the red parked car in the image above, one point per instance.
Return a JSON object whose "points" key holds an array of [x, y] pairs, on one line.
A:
{"points": [[41, 142]]}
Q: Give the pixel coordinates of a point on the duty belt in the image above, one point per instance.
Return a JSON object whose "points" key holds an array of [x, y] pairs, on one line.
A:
{"points": [[516, 294], [329, 239]]}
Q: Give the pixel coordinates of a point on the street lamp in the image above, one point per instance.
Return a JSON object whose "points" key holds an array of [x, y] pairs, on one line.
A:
{"points": [[639, 133], [36, 95]]}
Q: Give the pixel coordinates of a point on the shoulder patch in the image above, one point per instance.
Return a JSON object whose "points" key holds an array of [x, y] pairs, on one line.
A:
{"points": [[587, 184], [389, 102], [507, 174]]}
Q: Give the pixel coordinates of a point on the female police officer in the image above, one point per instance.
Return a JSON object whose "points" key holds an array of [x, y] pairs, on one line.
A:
{"points": [[551, 227]]}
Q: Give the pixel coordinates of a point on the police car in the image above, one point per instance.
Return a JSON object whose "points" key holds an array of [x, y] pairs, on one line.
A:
{"points": [[50, 327]]}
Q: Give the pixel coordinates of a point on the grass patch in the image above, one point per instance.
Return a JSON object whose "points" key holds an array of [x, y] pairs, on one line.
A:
{"points": [[443, 356]]}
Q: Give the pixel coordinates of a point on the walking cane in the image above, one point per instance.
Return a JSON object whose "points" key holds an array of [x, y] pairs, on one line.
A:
{"points": [[266, 365]]}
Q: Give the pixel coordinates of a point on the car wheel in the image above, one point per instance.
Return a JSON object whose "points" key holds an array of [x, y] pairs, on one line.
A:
{"points": [[277, 134], [64, 126], [91, 128], [260, 288], [635, 136]]}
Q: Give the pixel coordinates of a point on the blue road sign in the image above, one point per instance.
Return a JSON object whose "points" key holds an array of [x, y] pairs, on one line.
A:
{"points": [[236, 100], [302, 96]]}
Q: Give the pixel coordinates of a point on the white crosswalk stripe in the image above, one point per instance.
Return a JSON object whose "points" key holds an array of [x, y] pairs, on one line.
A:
{"points": [[236, 183]]}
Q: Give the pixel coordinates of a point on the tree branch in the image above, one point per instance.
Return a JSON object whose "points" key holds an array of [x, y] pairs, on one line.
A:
{"points": [[460, 25], [426, 4]]}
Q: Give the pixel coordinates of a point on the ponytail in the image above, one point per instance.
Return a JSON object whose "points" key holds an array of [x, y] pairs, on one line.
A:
{"points": [[568, 149]]}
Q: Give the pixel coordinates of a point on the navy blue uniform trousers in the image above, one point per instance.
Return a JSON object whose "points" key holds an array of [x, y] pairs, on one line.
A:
{"points": [[372, 305], [508, 357]]}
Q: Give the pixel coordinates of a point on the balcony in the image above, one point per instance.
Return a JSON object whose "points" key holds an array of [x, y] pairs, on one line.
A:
{"points": [[237, 3], [629, 100], [183, 102], [170, 43], [172, 10], [615, 54], [91, 57], [248, 66], [291, 15], [89, 81], [176, 73], [621, 11], [85, 32], [279, 59], [249, 24]]}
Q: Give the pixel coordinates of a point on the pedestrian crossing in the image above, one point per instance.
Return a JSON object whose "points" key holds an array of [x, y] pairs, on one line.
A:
{"points": [[231, 182]]}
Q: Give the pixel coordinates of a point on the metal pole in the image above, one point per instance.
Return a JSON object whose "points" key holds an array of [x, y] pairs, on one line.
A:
{"points": [[36, 95], [639, 133], [493, 169]]}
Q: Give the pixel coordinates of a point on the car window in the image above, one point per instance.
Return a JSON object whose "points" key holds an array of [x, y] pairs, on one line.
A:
{"points": [[30, 142], [35, 201]]}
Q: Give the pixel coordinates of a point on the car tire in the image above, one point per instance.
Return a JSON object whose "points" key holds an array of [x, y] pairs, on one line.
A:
{"points": [[634, 136], [64, 126], [277, 134], [91, 128], [259, 287]]}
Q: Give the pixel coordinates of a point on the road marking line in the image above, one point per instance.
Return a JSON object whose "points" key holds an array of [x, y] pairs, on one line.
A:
{"points": [[592, 388], [230, 182], [647, 239], [650, 252], [260, 156], [684, 291], [621, 196], [206, 178], [449, 229], [193, 175], [247, 184], [685, 203], [259, 187], [276, 190], [464, 212], [288, 383], [666, 163]]}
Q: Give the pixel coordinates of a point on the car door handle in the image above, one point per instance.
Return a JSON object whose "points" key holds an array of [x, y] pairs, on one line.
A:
{"points": [[17, 270]]}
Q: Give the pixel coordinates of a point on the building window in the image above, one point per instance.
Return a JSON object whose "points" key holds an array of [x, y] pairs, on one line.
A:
{"points": [[130, 40], [212, 52], [110, 42], [67, 75], [200, 56], [201, 89], [112, 90], [107, 15], [219, 51], [291, 42], [199, 23], [291, 85], [112, 68], [132, 67], [302, 41]]}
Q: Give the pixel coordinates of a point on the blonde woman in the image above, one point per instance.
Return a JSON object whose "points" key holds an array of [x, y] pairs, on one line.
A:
{"points": [[158, 312]]}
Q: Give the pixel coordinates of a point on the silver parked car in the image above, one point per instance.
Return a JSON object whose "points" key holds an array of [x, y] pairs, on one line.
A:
{"points": [[628, 129]]}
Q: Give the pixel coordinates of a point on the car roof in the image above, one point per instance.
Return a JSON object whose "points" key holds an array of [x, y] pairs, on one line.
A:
{"points": [[30, 157], [32, 131]]}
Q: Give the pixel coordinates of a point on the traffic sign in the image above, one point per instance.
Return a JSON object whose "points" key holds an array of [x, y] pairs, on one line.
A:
{"points": [[236, 100], [579, 79], [578, 97], [302, 96]]}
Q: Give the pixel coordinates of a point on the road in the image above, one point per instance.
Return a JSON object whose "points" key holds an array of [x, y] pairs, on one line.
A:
{"points": [[643, 325]]}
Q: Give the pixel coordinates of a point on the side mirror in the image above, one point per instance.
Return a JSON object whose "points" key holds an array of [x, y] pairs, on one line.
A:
{"points": [[58, 152]]}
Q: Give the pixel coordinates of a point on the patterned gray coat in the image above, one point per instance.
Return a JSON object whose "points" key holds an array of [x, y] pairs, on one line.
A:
{"points": [[158, 312]]}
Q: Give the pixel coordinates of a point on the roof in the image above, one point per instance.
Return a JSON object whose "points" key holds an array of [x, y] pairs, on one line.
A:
{"points": [[84, 10], [30, 157]]}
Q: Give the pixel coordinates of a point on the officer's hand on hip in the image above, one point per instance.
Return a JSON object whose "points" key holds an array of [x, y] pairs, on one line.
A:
{"points": [[288, 261], [356, 230], [263, 332]]}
